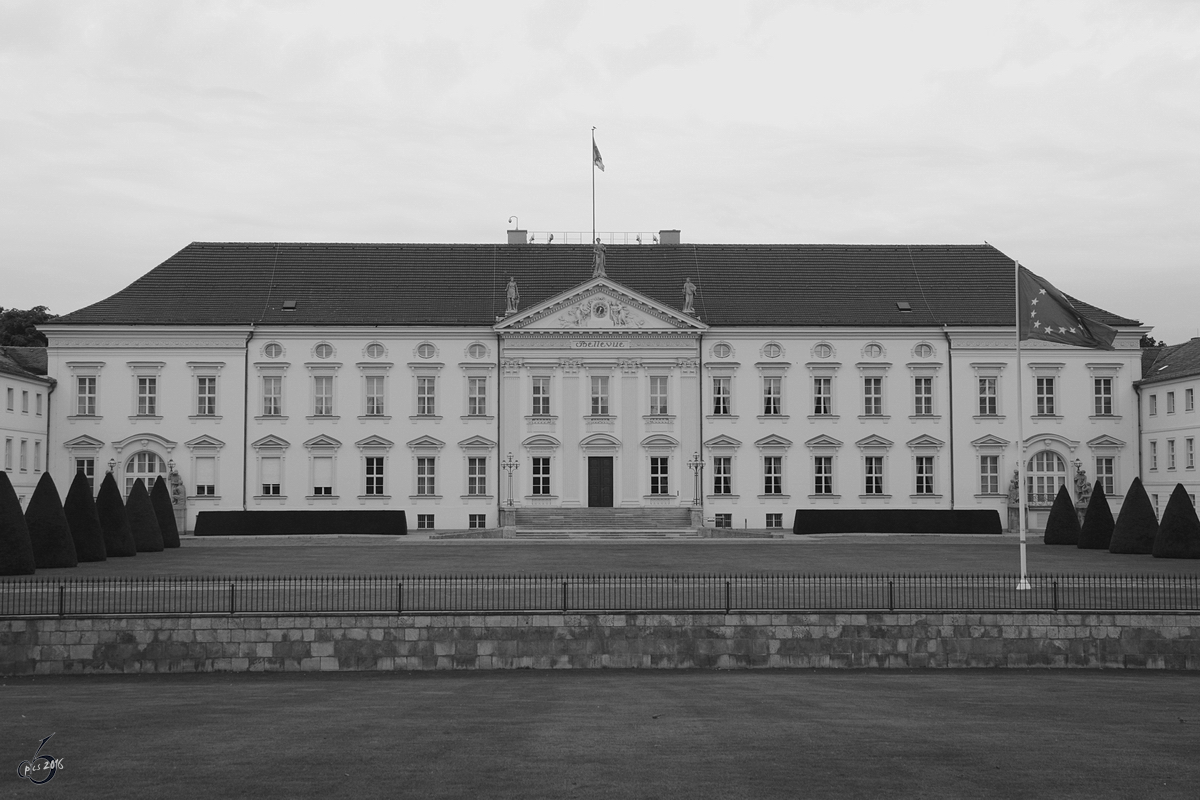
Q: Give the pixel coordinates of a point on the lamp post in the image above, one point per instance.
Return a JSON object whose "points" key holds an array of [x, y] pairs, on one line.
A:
{"points": [[697, 465], [510, 465], [112, 464]]}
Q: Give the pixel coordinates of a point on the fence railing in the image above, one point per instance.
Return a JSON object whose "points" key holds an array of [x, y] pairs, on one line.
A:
{"points": [[432, 594]]}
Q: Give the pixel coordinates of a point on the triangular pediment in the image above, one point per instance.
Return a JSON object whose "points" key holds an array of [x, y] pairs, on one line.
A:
{"points": [[323, 442], [601, 304], [874, 440], [426, 442], [722, 440], [374, 442], [773, 440], [991, 441], [271, 442], [477, 443], [824, 440], [1104, 440], [83, 442], [925, 440], [204, 442]]}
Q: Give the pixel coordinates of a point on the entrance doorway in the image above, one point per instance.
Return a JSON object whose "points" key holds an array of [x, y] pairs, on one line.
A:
{"points": [[600, 482]]}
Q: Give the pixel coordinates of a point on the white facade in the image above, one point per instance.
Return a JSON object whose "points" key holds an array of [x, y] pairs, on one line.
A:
{"points": [[601, 396], [24, 399], [1170, 431]]}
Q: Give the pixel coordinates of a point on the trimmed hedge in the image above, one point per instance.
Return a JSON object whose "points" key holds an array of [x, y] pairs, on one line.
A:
{"points": [[1097, 530], [1179, 532], [118, 538], [142, 522], [1062, 526], [1136, 526], [269, 523], [86, 532], [49, 532], [16, 551], [160, 498], [903, 520]]}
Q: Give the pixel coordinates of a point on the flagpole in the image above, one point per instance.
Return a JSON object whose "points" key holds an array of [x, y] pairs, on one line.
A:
{"points": [[593, 158], [1023, 584]]}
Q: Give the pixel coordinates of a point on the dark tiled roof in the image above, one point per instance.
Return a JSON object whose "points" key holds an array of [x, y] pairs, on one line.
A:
{"points": [[26, 362], [464, 284], [1173, 361]]}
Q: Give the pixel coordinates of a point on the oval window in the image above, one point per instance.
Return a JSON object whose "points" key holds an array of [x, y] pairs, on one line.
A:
{"points": [[722, 350], [823, 350], [924, 350], [477, 350], [772, 350], [324, 350], [873, 350], [374, 350], [425, 350], [273, 350]]}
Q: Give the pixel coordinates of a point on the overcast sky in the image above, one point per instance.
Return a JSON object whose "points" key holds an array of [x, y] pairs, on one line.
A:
{"points": [[1067, 134]]}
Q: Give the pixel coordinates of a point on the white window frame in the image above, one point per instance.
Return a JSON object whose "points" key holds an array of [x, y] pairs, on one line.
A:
{"points": [[540, 395], [989, 474], [659, 395]]}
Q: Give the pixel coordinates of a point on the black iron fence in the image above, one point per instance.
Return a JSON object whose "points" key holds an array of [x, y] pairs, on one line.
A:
{"points": [[433, 594]]}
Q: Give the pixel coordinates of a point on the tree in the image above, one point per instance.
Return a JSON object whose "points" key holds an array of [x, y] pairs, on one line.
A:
{"points": [[86, 532], [18, 328], [160, 498], [1062, 527], [118, 538], [49, 532], [1136, 525], [146, 535], [16, 551], [1179, 532], [1149, 341], [1097, 530]]}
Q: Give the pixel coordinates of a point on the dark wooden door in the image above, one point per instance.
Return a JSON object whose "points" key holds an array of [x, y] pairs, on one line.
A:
{"points": [[600, 482]]}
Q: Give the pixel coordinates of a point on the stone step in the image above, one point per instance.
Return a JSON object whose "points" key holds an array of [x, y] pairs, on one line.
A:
{"points": [[606, 534], [603, 518]]}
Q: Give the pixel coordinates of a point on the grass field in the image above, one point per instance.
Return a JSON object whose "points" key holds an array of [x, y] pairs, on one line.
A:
{"points": [[807, 555], [610, 734]]}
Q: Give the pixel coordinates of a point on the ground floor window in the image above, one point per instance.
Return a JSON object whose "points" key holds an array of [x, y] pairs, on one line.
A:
{"points": [[924, 474], [424, 521], [723, 521], [723, 475], [1106, 474], [1047, 474], [774, 520], [873, 470], [374, 475], [659, 475], [989, 474], [822, 474], [477, 521], [88, 467], [541, 476], [145, 465]]}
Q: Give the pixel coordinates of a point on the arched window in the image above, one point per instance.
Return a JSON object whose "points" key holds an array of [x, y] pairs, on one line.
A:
{"points": [[144, 465], [1047, 473]]}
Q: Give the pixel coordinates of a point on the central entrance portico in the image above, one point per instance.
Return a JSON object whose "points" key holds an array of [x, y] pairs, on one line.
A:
{"points": [[608, 386]]}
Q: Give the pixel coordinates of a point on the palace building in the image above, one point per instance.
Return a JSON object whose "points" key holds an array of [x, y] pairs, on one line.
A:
{"points": [[452, 380]]}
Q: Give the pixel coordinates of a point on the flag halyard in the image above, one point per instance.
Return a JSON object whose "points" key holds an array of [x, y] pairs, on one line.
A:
{"points": [[1047, 314]]}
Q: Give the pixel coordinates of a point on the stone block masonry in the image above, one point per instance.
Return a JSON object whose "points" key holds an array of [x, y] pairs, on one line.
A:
{"points": [[39, 646]]}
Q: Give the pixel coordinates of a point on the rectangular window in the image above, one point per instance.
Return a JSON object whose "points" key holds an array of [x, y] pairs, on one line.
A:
{"points": [[774, 520], [322, 395], [206, 396], [1170, 402], [772, 474], [659, 475], [477, 520], [37, 404], [923, 396], [476, 397], [1189, 453], [424, 522], [1103, 396], [1153, 455], [37, 456], [477, 476], [723, 520], [24, 455], [8, 454], [272, 396], [1189, 399], [822, 474], [426, 395], [88, 467], [873, 472], [1154, 500], [272, 470], [721, 397], [822, 397], [147, 400], [924, 474], [374, 465], [541, 476], [989, 474], [1153, 405], [426, 474], [987, 397], [872, 397], [206, 476], [600, 395], [541, 397], [658, 394], [85, 396], [322, 476], [772, 395], [723, 475], [374, 390], [1170, 454], [25, 402], [1045, 397], [1106, 474], [11, 395]]}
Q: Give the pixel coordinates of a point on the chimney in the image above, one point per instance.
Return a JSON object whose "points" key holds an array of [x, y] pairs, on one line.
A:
{"points": [[668, 237], [517, 236]]}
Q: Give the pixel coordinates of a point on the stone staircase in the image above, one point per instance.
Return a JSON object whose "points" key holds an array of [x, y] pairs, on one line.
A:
{"points": [[604, 523]]}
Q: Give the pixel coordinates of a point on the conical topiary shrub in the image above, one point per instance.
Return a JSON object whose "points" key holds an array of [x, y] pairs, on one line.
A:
{"points": [[49, 532], [1062, 527], [118, 538], [142, 522], [160, 498], [1097, 530], [1179, 532], [1136, 525], [80, 509], [16, 551]]}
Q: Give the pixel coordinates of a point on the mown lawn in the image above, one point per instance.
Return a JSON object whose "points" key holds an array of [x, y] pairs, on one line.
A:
{"points": [[610, 734]]}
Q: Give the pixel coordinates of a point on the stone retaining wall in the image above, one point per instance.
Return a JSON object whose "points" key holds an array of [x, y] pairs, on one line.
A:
{"points": [[553, 641]]}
